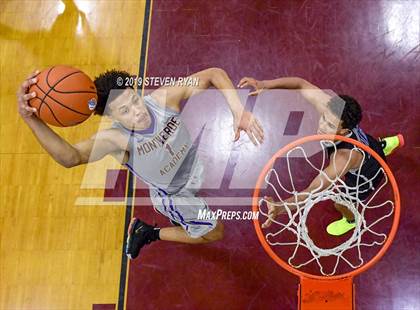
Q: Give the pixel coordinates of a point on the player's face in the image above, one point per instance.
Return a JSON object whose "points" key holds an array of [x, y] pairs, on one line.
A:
{"points": [[129, 109], [329, 124]]}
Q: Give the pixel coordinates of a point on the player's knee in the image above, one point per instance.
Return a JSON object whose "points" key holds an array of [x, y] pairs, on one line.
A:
{"points": [[220, 231], [216, 234]]}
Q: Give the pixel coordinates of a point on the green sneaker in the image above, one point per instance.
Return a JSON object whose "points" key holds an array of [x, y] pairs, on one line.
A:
{"points": [[340, 227], [390, 144]]}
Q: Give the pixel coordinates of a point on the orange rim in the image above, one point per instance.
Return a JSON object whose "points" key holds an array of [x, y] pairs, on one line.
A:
{"points": [[387, 243]]}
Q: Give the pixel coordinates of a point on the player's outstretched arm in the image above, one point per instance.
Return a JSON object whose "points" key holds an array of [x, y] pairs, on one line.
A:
{"points": [[173, 95], [340, 163], [105, 142], [217, 77], [60, 150], [310, 92]]}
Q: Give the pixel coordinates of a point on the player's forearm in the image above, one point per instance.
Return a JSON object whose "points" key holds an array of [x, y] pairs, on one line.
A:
{"points": [[319, 184], [284, 83], [315, 96], [59, 149], [220, 80]]}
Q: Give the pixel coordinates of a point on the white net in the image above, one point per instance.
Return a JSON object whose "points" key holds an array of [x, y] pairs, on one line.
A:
{"points": [[295, 223]]}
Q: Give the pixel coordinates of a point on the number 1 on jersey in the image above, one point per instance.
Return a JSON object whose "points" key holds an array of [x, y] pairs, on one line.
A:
{"points": [[168, 147]]}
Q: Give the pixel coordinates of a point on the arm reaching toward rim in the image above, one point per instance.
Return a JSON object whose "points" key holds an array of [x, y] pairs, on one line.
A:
{"points": [[317, 97], [217, 77], [343, 161]]}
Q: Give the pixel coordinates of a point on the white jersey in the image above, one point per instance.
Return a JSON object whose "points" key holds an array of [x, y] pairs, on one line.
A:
{"points": [[162, 155]]}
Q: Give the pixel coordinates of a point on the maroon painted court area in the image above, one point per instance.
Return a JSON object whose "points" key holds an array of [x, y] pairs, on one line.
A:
{"points": [[103, 307], [367, 49]]}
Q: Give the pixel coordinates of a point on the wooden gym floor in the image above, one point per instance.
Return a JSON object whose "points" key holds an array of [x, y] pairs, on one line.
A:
{"points": [[60, 249], [55, 254]]}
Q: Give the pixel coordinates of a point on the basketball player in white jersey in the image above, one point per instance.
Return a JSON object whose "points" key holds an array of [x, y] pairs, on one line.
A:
{"points": [[347, 113], [150, 139]]}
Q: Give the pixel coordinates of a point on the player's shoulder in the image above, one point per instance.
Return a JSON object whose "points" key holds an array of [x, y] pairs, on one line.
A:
{"points": [[164, 99]]}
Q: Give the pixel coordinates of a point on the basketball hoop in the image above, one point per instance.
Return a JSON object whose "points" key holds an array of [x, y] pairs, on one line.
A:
{"points": [[324, 287]]}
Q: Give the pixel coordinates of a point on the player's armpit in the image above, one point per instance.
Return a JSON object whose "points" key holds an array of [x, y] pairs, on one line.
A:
{"points": [[121, 156]]}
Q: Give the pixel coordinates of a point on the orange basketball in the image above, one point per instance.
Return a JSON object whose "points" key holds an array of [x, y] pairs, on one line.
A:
{"points": [[65, 96]]}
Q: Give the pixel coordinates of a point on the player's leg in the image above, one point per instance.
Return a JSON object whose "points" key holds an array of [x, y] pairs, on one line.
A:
{"points": [[183, 209], [390, 144], [345, 224], [364, 191], [178, 234], [344, 211], [141, 233]]}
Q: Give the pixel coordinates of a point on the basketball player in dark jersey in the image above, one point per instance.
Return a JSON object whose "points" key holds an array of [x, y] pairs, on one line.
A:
{"points": [[340, 115], [148, 137]]}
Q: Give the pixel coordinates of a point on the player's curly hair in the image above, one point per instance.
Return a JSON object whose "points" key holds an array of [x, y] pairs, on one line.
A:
{"points": [[350, 114], [104, 83]]}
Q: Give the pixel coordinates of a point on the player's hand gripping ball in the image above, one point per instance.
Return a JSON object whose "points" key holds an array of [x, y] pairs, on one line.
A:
{"points": [[65, 96]]}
